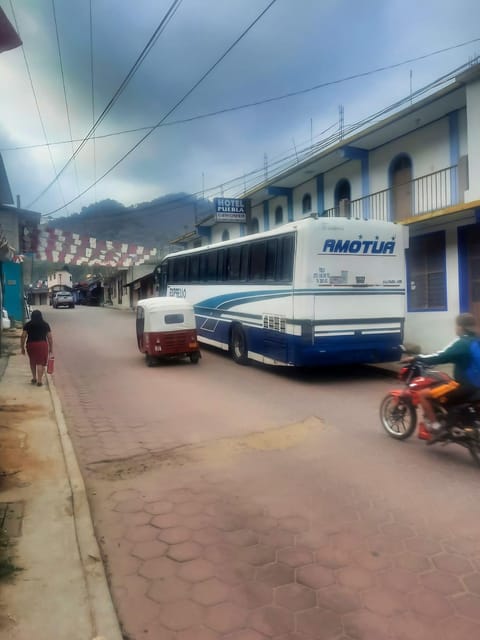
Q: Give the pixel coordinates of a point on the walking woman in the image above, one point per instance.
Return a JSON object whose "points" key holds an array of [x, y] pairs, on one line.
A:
{"points": [[37, 336]]}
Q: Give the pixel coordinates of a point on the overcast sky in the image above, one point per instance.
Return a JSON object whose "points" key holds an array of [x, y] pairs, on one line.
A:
{"points": [[297, 44]]}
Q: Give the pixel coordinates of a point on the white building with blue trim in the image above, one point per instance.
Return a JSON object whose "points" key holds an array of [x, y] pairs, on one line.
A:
{"points": [[420, 167]]}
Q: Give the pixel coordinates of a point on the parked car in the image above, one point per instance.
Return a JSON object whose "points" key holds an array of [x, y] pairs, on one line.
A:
{"points": [[63, 299], [6, 324]]}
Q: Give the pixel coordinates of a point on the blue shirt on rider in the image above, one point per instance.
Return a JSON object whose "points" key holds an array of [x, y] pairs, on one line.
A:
{"points": [[458, 353]]}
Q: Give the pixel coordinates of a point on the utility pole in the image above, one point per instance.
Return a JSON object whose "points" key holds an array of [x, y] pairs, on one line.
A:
{"points": [[265, 166], [341, 121], [295, 147]]}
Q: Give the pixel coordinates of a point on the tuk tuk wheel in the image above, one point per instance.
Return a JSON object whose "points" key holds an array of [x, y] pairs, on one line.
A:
{"points": [[194, 357], [149, 360]]}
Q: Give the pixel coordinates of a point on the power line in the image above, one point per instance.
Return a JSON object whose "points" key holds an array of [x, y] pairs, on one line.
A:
{"points": [[228, 184], [307, 152], [146, 50], [38, 106], [92, 77], [64, 88], [257, 102], [181, 101]]}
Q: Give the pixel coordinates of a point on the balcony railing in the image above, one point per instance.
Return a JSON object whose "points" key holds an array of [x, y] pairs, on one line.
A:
{"points": [[424, 194]]}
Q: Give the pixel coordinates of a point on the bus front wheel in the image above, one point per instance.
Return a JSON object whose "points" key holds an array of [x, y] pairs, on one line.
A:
{"points": [[238, 345]]}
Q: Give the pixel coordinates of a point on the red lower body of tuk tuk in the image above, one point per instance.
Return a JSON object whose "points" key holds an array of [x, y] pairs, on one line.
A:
{"points": [[170, 344]]}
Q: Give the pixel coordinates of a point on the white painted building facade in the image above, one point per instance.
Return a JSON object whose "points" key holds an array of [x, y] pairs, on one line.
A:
{"points": [[59, 279], [419, 167]]}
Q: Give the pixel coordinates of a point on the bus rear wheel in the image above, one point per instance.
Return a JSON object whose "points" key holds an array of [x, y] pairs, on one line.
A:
{"points": [[238, 345]]}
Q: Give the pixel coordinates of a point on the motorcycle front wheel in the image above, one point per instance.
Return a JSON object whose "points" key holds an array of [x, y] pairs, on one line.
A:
{"points": [[398, 416], [474, 448]]}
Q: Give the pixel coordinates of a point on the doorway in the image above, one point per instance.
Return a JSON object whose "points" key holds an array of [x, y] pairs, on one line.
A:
{"points": [[401, 183]]}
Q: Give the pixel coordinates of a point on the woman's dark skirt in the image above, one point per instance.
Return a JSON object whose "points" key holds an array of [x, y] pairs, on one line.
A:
{"points": [[38, 352]]}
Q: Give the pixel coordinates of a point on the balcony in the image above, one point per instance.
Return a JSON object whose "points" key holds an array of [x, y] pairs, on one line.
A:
{"points": [[423, 195]]}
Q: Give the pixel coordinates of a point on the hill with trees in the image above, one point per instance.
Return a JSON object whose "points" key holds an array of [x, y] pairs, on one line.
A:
{"points": [[152, 224]]}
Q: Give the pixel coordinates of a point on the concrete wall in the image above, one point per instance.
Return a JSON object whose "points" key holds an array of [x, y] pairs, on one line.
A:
{"points": [[473, 132], [60, 278], [428, 148], [351, 171], [13, 301], [233, 228], [432, 330], [298, 193], [9, 226]]}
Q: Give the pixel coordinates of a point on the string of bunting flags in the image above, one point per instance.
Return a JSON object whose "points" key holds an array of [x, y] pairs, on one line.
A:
{"points": [[66, 247]]}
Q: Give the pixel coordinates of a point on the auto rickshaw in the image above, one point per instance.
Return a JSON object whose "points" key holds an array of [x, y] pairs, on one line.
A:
{"points": [[166, 329]]}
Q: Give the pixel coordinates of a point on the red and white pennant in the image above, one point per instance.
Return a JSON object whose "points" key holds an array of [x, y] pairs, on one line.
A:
{"points": [[55, 245]]}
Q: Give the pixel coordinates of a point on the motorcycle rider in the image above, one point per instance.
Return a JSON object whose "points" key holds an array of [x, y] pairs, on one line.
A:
{"points": [[460, 389]]}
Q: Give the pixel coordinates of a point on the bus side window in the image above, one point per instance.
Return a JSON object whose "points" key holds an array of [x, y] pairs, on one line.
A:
{"points": [[170, 270], [193, 268], [203, 268], [284, 266], [271, 259], [233, 263], [179, 269], [221, 273], [212, 266], [258, 254], [244, 255]]}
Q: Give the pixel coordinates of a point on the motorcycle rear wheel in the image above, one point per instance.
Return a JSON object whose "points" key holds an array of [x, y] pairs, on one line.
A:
{"points": [[398, 416]]}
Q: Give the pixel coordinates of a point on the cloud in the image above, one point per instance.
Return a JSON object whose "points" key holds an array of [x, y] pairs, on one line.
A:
{"points": [[294, 46]]}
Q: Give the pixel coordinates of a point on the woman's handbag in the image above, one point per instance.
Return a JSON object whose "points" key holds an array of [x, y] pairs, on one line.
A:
{"points": [[50, 364]]}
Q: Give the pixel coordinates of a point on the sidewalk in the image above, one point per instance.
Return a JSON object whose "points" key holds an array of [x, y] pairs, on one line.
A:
{"points": [[61, 592]]}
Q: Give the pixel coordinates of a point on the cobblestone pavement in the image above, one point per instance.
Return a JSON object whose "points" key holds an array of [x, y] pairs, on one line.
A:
{"points": [[323, 529], [225, 556]]}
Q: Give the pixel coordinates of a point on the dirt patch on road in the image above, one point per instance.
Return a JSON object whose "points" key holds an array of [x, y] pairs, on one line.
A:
{"points": [[218, 451], [17, 462]]}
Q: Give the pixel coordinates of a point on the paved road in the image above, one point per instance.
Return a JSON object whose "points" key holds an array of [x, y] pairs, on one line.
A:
{"points": [[250, 503]]}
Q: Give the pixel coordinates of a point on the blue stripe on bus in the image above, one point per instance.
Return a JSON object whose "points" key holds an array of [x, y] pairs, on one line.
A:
{"points": [[301, 351], [228, 300]]}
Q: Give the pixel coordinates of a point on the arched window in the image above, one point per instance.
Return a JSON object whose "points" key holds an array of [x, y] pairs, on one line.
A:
{"points": [[401, 185], [226, 235], [342, 191], [342, 198], [307, 203], [254, 228], [278, 215]]}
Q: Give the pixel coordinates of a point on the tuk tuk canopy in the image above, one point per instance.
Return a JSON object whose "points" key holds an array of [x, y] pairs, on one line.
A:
{"points": [[165, 314]]}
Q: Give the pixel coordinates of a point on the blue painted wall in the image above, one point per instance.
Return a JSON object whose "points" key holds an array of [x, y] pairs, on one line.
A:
{"points": [[12, 282]]}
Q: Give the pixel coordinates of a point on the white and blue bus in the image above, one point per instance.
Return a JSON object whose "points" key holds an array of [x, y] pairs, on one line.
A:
{"points": [[313, 292]]}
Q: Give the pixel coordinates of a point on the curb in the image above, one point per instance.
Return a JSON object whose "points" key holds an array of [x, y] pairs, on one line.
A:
{"points": [[104, 619]]}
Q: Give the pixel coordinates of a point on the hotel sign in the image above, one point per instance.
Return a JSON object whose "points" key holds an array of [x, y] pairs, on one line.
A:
{"points": [[230, 210]]}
